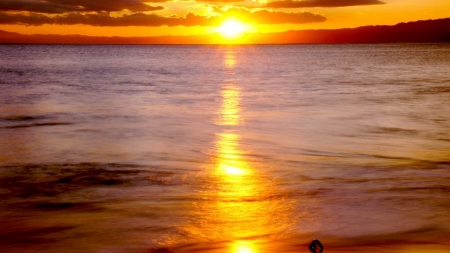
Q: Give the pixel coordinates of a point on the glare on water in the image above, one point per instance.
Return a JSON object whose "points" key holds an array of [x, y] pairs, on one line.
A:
{"points": [[244, 206]]}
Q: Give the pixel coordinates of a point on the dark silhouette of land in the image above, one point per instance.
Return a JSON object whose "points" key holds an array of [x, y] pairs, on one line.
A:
{"points": [[412, 32]]}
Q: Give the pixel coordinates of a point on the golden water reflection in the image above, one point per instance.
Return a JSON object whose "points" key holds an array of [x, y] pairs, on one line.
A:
{"points": [[231, 106], [229, 114], [245, 204], [242, 205], [244, 247], [229, 60], [229, 157]]}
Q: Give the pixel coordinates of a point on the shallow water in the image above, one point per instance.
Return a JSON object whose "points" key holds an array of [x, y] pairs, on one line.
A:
{"points": [[245, 149]]}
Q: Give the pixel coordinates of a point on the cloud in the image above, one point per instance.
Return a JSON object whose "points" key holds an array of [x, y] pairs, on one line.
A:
{"points": [[278, 17], [65, 6], [273, 17], [320, 3], [137, 19], [153, 20]]}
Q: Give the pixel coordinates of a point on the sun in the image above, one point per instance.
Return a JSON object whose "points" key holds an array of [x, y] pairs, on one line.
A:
{"points": [[231, 28]]}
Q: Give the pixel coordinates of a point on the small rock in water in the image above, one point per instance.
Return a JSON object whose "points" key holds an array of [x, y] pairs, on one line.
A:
{"points": [[316, 246]]}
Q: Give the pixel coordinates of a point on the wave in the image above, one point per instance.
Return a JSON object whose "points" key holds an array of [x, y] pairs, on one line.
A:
{"points": [[39, 125], [50, 180]]}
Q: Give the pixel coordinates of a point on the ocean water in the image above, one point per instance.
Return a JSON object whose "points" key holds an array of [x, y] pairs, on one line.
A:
{"points": [[240, 149]]}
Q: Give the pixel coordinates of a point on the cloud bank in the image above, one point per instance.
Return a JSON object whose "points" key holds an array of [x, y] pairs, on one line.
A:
{"points": [[153, 20], [272, 17], [321, 3], [65, 6]]}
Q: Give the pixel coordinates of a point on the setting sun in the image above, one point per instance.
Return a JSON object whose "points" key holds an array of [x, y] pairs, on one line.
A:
{"points": [[231, 29]]}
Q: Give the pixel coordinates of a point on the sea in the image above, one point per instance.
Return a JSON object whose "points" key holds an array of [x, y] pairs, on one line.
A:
{"points": [[224, 148]]}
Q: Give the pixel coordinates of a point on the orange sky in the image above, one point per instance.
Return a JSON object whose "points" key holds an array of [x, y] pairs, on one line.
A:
{"points": [[165, 17]]}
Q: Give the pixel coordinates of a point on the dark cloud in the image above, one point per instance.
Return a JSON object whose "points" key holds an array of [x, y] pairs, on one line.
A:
{"points": [[141, 19], [321, 3], [36, 6], [137, 19], [65, 6]]}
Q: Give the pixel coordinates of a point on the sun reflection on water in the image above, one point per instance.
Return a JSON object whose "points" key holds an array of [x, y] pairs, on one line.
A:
{"points": [[244, 247], [230, 60], [244, 205], [239, 206], [229, 160], [229, 114]]}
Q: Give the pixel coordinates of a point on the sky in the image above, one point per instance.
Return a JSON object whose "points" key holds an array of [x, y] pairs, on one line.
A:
{"points": [[128, 18]]}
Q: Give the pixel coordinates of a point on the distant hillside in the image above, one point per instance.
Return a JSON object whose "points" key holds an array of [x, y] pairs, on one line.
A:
{"points": [[5, 34], [419, 31]]}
